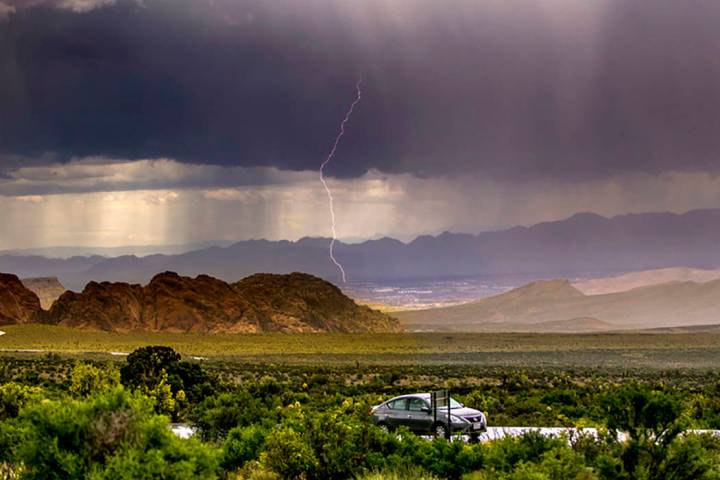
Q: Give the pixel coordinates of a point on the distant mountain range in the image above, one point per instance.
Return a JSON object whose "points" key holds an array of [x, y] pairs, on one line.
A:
{"points": [[557, 306], [48, 289], [173, 303], [580, 245], [630, 280]]}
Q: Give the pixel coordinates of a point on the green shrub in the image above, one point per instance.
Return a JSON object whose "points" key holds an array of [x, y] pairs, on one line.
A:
{"points": [[401, 473], [287, 453], [162, 456], [14, 396], [11, 436], [255, 470], [242, 445], [652, 420], [505, 454], [88, 379], [107, 435], [217, 415]]}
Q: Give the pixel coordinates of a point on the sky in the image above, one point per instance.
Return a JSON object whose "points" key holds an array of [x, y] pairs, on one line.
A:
{"points": [[143, 122]]}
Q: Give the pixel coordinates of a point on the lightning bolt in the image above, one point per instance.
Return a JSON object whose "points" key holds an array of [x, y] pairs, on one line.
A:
{"points": [[330, 156]]}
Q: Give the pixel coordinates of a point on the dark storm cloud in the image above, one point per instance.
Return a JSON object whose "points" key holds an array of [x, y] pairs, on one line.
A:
{"points": [[512, 89]]}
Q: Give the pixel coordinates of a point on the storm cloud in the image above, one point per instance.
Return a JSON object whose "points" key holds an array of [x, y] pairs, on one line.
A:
{"points": [[509, 90]]}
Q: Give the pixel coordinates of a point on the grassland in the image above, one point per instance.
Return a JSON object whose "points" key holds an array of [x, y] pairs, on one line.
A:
{"points": [[618, 350]]}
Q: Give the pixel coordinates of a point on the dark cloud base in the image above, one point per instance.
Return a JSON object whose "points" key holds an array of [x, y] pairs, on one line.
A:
{"points": [[498, 88]]}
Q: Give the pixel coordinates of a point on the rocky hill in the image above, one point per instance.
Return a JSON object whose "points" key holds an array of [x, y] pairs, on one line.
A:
{"points": [[558, 306], [48, 289], [299, 301], [261, 303], [17, 303]]}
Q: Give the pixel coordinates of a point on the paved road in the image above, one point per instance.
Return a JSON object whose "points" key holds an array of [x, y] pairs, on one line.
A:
{"points": [[496, 433], [493, 433]]}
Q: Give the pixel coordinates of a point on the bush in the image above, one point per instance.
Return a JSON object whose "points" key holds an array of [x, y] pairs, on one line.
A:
{"points": [[191, 379], [106, 436], [242, 445], [289, 455], [87, 379], [438, 457], [692, 457], [163, 456], [403, 473], [14, 396], [255, 470], [505, 454], [11, 436], [652, 420], [216, 416]]}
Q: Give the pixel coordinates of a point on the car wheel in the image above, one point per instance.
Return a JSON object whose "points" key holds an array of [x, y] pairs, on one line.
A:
{"points": [[384, 427], [440, 430]]}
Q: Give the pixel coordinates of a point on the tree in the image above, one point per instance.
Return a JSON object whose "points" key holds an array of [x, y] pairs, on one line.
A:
{"points": [[144, 365], [158, 372], [651, 420]]}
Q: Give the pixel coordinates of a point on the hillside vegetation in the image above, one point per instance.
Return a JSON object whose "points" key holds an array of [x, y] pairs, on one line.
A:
{"points": [[61, 418]]}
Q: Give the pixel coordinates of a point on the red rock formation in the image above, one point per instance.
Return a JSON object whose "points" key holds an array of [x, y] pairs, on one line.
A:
{"points": [[201, 304], [302, 302], [17, 303], [101, 306], [172, 303]]}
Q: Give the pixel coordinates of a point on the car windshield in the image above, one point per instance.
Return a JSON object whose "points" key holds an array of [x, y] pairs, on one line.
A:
{"points": [[455, 404]]}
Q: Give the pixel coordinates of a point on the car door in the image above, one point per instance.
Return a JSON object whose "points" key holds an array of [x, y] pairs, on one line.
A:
{"points": [[419, 418], [397, 415]]}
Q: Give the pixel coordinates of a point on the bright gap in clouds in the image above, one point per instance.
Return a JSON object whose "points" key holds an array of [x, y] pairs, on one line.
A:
{"points": [[100, 202]]}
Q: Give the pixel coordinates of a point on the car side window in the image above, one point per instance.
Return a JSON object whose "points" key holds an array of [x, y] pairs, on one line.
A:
{"points": [[417, 404], [400, 404]]}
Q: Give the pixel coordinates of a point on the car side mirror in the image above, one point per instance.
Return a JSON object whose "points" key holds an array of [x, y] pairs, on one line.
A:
{"points": [[426, 410]]}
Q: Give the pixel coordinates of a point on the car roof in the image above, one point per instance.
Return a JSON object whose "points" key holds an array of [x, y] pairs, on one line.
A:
{"points": [[424, 396]]}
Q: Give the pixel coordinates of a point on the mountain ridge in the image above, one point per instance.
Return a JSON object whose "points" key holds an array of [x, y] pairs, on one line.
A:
{"points": [[631, 280], [581, 244]]}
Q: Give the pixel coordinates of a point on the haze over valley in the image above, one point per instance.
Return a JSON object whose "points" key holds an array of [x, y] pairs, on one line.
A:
{"points": [[582, 274], [584, 245]]}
